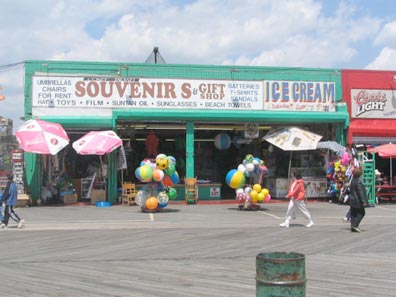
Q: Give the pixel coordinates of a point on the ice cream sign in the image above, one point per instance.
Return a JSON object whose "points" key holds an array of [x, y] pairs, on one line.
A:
{"points": [[368, 103], [299, 96]]}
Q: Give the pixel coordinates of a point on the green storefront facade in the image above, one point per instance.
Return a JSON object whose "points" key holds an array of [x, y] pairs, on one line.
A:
{"points": [[96, 96]]}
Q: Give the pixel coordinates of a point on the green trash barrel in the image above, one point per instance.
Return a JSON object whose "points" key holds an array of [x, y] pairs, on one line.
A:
{"points": [[280, 275]]}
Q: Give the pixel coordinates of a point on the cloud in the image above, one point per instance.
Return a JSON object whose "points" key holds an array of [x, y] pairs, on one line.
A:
{"points": [[386, 60], [298, 33], [387, 35]]}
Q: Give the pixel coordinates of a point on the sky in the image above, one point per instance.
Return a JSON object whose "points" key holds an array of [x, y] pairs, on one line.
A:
{"points": [[349, 34]]}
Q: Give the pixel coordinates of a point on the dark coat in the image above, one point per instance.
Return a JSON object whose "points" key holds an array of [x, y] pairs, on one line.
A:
{"points": [[357, 196]]}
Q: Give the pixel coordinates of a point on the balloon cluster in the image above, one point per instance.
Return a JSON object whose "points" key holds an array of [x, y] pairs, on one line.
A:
{"points": [[251, 167], [338, 172], [161, 174], [248, 195]]}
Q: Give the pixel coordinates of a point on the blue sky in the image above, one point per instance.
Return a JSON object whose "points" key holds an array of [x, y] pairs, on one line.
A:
{"points": [[349, 34]]}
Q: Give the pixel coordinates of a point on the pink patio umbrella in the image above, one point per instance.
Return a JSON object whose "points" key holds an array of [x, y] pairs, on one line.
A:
{"points": [[386, 151], [41, 137], [97, 143]]}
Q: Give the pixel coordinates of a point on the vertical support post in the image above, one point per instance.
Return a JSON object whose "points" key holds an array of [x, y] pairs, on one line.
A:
{"points": [[190, 149]]}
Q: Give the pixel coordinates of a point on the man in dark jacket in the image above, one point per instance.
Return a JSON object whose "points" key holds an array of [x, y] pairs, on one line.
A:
{"points": [[357, 200], [10, 195]]}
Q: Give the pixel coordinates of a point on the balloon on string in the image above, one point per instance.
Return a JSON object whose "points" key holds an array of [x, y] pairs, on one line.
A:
{"points": [[151, 203], [170, 170], [254, 195], [249, 167], [144, 173], [175, 178], [162, 163], [163, 199], [260, 197], [265, 192], [158, 175], [241, 168], [171, 160], [257, 188], [235, 179], [172, 194], [267, 198], [141, 197], [166, 181], [222, 141], [248, 190]]}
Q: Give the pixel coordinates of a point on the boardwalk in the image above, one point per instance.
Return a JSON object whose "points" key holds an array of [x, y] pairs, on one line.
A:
{"points": [[194, 250]]}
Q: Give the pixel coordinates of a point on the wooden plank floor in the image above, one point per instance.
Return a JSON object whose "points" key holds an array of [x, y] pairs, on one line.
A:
{"points": [[194, 250]]}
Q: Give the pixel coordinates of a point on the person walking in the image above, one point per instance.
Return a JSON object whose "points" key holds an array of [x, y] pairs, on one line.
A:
{"points": [[297, 197], [357, 200], [10, 195]]}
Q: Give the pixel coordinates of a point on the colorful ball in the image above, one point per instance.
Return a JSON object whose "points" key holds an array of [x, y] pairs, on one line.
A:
{"points": [[175, 178], [170, 170], [172, 160], [144, 173], [265, 192], [151, 203], [242, 168], [158, 175], [162, 163], [267, 198], [141, 197], [163, 199], [222, 141], [235, 179], [172, 194], [254, 195], [257, 188], [260, 197]]}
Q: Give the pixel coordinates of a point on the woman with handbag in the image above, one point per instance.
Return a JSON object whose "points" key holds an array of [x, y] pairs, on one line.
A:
{"points": [[357, 200]]}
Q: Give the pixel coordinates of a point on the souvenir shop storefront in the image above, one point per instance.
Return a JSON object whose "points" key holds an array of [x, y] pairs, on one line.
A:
{"points": [[207, 117]]}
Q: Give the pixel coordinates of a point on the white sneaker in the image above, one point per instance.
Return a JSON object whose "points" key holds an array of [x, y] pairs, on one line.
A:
{"points": [[310, 224], [4, 226], [20, 224], [284, 224]]}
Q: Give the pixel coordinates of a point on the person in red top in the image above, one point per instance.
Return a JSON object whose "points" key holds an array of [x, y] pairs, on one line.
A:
{"points": [[297, 197]]}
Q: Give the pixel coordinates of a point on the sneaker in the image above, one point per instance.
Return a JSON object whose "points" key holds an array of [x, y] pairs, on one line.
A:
{"points": [[284, 224], [20, 224], [345, 219], [4, 226], [355, 229], [310, 224]]}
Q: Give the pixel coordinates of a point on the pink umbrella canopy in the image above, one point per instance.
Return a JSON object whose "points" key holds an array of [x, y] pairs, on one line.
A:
{"points": [[386, 151], [97, 143], [41, 137]]}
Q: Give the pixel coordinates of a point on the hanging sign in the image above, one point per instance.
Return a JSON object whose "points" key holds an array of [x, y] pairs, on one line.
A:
{"points": [[299, 96], [117, 92]]}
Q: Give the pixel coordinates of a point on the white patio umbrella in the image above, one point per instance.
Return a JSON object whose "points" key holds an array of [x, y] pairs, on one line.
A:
{"points": [[293, 139]]}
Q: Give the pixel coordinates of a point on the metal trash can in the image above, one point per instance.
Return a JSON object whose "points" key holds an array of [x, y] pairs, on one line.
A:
{"points": [[280, 274]]}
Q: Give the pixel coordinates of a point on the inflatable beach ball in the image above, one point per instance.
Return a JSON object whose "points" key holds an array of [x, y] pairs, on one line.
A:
{"points": [[235, 179], [222, 141], [151, 203], [144, 173]]}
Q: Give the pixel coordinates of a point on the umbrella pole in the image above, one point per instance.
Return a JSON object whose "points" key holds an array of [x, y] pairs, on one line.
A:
{"points": [[390, 174], [288, 172]]}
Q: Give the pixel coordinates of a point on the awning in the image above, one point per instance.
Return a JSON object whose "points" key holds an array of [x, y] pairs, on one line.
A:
{"points": [[372, 131]]}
